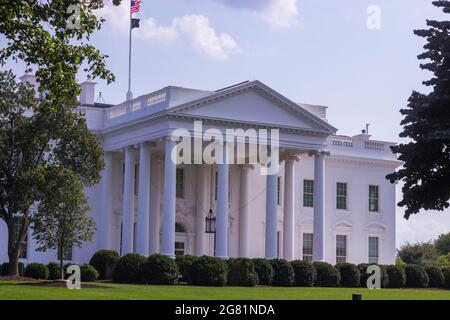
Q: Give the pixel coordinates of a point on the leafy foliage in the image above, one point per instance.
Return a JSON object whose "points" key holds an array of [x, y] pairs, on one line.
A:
{"points": [[209, 271], [350, 275], [264, 270], [416, 276], [435, 276], [305, 273], [362, 267], [184, 263], [128, 269], [442, 244], [327, 275], [104, 261], [54, 271], [37, 271], [283, 273], [396, 276], [241, 272], [88, 273], [159, 269], [419, 253], [426, 169]]}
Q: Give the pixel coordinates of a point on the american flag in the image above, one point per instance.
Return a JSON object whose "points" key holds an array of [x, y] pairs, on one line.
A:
{"points": [[135, 6]]}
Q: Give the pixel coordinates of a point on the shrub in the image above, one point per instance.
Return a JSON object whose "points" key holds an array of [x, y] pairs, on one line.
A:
{"points": [[36, 271], [264, 270], [88, 273], [159, 269], [104, 261], [305, 273], [435, 276], [447, 278], [128, 268], [184, 264], [5, 266], [54, 271], [416, 276], [396, 276], [283, 274], [241, 272], [209, 271], [350, 276], [327, 275], [364, 276]]}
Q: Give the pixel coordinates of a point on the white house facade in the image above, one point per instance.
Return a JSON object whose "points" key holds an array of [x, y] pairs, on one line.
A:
{"points": [[329, 201]]}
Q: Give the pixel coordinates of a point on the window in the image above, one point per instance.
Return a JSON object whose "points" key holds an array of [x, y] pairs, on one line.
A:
{"points": [[179, 248], [373, 250], [279, 190], [180, 228], [373, 198], [180, 183], [18, 221], [308, 193], [307, 247], [67, 254], [341, 196], [341, 249]]}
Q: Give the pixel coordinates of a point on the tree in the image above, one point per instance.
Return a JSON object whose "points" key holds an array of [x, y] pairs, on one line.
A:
{"points": [[61, 218], [442, 244], [34, 142], [43, 34], [419, 253], [426, 169]]}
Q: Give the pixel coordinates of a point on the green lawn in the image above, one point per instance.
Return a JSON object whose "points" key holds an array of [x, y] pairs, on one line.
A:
{"points": [[14, 290]]}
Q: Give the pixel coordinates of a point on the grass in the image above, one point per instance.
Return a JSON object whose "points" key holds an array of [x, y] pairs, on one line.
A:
{"points": [[15, 290]]}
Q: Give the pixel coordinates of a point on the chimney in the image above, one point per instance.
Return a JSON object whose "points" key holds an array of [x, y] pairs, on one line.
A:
{"points": [[30, 78], [87, 96]]}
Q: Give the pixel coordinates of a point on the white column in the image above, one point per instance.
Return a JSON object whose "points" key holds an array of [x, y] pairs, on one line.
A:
{"points": [[143, 215], [319, 207], [128, 201], [106, 213], [168, 224], [155, 205], [271, 216], [289, 212], [202, 210], [222, 206], [244, 212]]}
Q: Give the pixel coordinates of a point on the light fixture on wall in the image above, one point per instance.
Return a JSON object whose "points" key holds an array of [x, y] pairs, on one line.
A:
{"points": [[210, 225]]}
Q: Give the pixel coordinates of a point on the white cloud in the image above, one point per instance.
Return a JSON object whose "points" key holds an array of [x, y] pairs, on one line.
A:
{"points": [[195, 30]]}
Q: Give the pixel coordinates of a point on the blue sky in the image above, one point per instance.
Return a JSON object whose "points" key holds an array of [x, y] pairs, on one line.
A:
{"points": [[318, 52]]}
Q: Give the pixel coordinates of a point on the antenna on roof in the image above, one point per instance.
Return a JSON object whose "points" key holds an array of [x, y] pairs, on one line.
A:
{"points": [[100, 98], [367, 128]]}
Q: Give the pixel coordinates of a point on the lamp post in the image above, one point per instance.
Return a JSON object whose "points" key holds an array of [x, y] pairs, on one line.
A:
{"points": [[210, 226]]}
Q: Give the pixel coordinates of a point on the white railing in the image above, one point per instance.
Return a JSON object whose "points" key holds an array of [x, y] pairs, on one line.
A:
{"points": [[117, 111], [156, 98], [357, 143], [372, 145], [342, 141], [136, 104]]}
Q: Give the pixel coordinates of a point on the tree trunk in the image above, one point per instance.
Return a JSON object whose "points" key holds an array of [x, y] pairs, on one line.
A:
{"points": [[61, 261], [13, 267], [13, 250]]}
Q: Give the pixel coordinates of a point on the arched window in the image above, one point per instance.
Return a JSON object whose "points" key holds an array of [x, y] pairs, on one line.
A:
{"points": [[180, 228]]}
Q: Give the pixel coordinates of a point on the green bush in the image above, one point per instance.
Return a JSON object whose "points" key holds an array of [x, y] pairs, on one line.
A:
{"points": [[350, 275], [88, 273], [264, 270], [104, 261], [435, 276], [416, 276], [37, 271], [128, 268], [159, 269], [4, 269], [184, 264], [209, 271], [241, 272], [283, 274], [447, 278], [396, 276], [327, 275], [364, 276], [54, 271], [305, 273]]}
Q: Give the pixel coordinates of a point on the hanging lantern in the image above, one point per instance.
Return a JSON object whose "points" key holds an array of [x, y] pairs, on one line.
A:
{"points": [[210, 226]]}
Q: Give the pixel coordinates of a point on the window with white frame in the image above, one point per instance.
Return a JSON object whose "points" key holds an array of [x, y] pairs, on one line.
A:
{"points": [[341, 248], [279, 190], [180, 183], [374, 198], [373, 249], [308, 193], [179, 248], [18, 221], [341, 196], [307, 247]]}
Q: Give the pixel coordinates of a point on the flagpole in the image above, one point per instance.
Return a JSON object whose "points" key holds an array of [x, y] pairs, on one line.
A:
{"points": [[129, 93]]}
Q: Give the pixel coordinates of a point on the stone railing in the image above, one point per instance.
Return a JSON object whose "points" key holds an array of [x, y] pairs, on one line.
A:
{"points": [[136, 104], [360, 143]]}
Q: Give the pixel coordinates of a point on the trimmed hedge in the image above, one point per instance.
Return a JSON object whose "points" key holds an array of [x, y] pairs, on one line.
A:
{"points": [[435, 276], [264, 270], [327, 275], [349, 275], [416, 276], [104, 261], [396, 276], [36, 271], [88, 273], [364, 276], [128, 268], [184, 264], [283, 273], [305, 273], [159, 269], [5, 266], [241, 272], [209, 271], [447, 278], [54, 271]]}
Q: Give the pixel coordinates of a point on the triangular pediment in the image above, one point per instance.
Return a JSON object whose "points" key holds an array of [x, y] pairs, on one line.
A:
{"points": [[343, 224], [255, 104]]}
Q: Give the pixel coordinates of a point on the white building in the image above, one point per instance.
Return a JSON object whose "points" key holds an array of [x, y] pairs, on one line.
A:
{"points": [[330, 200]]}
